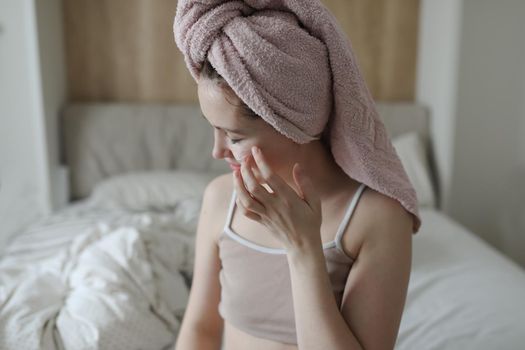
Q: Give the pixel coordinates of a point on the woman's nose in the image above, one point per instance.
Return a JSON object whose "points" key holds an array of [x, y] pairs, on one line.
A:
{"points": [[220, 151]]}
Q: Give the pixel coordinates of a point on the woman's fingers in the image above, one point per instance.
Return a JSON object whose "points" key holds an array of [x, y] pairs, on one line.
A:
{"points": [[257, 174], [244, 199], [253, 185], [276, 183]]}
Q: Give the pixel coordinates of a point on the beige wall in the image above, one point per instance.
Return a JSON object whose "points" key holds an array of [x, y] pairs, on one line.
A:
{"points": [[123, 50]]}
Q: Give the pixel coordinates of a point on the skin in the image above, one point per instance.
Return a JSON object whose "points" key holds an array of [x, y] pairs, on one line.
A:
{"points": [[379, 239]]}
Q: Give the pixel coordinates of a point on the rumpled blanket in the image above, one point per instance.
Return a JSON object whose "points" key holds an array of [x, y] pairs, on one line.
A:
{"points": [[96, 279]]}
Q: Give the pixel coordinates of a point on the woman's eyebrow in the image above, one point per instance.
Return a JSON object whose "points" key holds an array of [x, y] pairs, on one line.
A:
{"points": [[235, 131]]}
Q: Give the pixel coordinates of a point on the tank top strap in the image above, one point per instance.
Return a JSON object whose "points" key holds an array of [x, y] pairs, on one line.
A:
{"points": [[342, 226], [230, 211], [348, 215]]}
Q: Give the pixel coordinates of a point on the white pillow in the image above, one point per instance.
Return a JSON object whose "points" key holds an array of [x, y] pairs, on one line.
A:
{"points": [[412, 152], [151, 190]]}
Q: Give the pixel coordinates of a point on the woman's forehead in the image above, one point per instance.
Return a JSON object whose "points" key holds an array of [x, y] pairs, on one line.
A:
{"points": [[220, 110]]}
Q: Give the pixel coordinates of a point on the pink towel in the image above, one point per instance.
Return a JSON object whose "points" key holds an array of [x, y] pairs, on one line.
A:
{"points": [[291, 63]]}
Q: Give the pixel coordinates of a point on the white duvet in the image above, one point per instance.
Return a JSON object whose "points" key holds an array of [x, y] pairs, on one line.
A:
{"points": [[88, 278]]}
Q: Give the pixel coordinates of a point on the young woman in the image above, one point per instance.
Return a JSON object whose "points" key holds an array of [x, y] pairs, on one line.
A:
{"points": [[291, 251]]}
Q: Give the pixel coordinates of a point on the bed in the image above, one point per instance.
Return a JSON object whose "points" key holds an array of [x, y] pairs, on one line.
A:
{"points": [[113, 269]]}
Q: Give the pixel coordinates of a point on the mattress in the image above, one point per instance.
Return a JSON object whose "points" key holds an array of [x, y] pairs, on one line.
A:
{"points": [[462, 294]]}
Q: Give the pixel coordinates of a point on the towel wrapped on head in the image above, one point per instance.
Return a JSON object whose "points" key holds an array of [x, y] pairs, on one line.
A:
{"points": [[291, 63]]}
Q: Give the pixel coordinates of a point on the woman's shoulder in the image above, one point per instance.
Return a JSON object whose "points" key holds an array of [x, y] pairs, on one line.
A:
{"points": [[220, 187], [380, 206], [373, 215], [217, 198]]}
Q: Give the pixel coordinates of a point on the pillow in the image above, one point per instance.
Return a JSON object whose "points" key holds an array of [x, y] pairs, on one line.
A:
{"points": [[151, 190], [412, 152]]}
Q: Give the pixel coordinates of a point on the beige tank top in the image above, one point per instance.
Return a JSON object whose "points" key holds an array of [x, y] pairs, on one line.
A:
{"points": [[256, 291]]}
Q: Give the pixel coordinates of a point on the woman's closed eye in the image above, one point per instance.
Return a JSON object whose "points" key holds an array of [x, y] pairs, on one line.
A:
{"points": [[235, 140]]}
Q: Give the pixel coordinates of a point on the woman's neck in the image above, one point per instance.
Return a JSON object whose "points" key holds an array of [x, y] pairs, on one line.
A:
{"points": [[329, 180]]}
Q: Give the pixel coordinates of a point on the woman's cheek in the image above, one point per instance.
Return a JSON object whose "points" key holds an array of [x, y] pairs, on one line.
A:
{"points": [[243, 149], [240, 153]]}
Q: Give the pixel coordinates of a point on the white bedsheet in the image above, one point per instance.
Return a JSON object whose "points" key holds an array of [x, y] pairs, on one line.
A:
{"points": [[92, 279], [463, 294]]}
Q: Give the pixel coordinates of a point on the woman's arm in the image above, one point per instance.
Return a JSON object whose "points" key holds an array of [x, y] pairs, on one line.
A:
{"points": [[318, 322], [374, 295], [202, 325]]}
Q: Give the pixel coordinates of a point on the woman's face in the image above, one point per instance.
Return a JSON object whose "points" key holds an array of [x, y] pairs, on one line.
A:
{"points": [[235, 134]]}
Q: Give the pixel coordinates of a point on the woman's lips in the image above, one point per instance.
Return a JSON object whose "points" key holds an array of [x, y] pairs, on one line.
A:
{"points": [[234, 166]]}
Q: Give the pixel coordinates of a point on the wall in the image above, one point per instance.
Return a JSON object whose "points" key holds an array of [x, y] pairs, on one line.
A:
{"points": [[472, 75], [28, 116], [19, 138], [436, 84], [490, 117], [49, 20]]}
